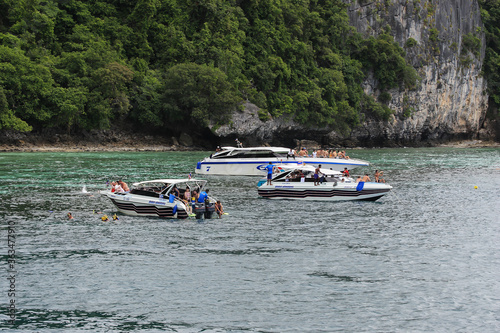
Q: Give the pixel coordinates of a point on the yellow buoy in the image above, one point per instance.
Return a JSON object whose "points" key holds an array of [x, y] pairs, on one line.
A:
{"points": [[475, 187]]}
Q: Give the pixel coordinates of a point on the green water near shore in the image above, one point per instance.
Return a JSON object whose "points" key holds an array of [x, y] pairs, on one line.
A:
{"points": [[423, 258]]}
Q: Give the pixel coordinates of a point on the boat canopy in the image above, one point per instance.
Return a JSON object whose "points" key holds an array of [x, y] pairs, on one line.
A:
{"points": [[274, 149], [170, 181], [309, 168], [253, 152]]}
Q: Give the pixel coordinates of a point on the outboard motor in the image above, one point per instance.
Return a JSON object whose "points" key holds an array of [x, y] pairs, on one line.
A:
{"points": [[209, 209], [199, 210]]}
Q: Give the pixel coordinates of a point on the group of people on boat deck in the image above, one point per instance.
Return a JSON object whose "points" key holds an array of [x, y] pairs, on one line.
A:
{"points": [[119, 187], [366, 178], [191, 198], [320, 179], [327, 153]]}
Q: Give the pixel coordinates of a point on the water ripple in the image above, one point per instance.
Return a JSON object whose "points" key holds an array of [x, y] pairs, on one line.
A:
{"points": [[424, 258]]}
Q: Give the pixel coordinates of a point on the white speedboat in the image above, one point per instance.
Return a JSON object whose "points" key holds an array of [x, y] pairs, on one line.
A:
{"points": [[252, 161], [156, 198], [298, 184]]}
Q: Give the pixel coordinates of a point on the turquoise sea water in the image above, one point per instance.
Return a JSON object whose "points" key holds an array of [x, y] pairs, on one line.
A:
{"points": [[424, 258]]}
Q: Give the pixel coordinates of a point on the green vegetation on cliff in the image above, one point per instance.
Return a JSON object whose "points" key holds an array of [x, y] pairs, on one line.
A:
{"points": [[490, 13], [160, 63]]}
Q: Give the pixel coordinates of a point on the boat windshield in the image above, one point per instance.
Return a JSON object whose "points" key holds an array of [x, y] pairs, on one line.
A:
{"points": [[155, 189], [193, 185], [248, 154], [221, 154], [149, 189]]}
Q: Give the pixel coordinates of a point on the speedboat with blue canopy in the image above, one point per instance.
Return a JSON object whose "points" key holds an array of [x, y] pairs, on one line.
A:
{"points": [[298, 183], [232, 161], [163, 198]]}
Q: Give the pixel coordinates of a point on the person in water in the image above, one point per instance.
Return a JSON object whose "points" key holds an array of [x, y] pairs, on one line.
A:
{"points": [[105, 218], [115, 217], [219, 209], [70, 217]]}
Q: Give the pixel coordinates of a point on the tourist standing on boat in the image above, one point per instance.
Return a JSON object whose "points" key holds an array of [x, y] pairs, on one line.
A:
{"points": [[302, 177], [291, 153], [175, 191], [366, 178], [316, 175], [187, 199], [118, 188], [194, 198], [202, 196], [270, 170], [187, 194], [378, 175], [124, 186]]}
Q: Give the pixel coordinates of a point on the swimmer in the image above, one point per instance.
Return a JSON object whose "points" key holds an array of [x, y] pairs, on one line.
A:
{"points": [[219, 209]]}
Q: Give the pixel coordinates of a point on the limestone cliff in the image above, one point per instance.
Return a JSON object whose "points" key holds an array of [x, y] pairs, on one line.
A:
{"points": [[449, 104]]}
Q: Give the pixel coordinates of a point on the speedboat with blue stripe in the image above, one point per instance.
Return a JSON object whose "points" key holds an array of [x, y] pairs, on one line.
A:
{"points": [[298, 183], [232, 161], [156, 198]]}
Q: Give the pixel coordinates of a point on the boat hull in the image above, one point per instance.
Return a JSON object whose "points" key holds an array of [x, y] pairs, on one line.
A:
{"points": [[134, 205], [244, 167], [324, 191]]}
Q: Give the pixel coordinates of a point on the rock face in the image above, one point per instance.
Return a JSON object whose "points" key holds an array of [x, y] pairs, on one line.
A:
{"points": [[450, 103], [247, 126]]}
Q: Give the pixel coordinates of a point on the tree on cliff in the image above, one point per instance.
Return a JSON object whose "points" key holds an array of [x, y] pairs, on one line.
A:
{"points": [[490, 13], [198, 94], [82, 65]]}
